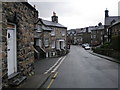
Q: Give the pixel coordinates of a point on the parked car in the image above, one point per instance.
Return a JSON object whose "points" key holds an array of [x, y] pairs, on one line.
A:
{"points": [[84, 45], [87, 48]]}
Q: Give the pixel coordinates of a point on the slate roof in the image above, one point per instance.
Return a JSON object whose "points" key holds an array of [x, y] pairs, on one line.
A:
{"points": [[98, 28], [50, 23], [117, 22], [46, 28], [109, 19]]}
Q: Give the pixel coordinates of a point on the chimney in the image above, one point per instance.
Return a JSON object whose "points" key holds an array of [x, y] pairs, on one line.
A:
{"points": [[54, 18], [106, 13]]}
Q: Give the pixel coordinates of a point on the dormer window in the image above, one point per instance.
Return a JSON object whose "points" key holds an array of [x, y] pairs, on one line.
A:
{"points": [[39, 29], [113, 21]]}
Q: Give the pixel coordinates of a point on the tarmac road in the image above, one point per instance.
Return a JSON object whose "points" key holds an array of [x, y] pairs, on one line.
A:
{"points": [[80, 69]]}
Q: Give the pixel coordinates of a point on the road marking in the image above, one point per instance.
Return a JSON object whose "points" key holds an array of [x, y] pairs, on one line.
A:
{"points": [[58, 65], [53, 78], [55, 75], [50, 84], [53, 66]]}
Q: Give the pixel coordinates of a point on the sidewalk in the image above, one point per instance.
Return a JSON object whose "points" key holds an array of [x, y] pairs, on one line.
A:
{"points": [[39, 78], [105, 57]]}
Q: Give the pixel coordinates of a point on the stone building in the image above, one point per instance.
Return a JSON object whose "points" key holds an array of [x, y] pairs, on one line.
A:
{"points": [[108, 21], [54, 37], [80, 35], [114, 31], [97, 35], [17, 41], [72, 36], [0, 45], [86, 35]]}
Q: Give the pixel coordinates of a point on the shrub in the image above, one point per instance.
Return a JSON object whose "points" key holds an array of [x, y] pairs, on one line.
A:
{"points": [[116, 43], [106, 46]]}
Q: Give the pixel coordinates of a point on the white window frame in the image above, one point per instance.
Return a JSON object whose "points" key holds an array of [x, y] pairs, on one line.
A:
{"points": [[53, 44], [38, 42], [58, 45], [63, 32], [94, 36], [46, 42], [53, 33], [91, 36], [39, 29], [101, 38]]}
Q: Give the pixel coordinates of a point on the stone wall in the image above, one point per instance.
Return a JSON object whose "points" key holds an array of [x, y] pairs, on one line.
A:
{"points": [[23, 15], [0, 45]]}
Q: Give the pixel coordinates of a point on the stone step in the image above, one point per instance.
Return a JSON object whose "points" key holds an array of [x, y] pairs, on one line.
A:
{"points": [[17, 81], [13, 75]]}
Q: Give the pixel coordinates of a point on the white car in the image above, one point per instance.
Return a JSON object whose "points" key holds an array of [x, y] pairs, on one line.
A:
{"points": [[87, 48]]}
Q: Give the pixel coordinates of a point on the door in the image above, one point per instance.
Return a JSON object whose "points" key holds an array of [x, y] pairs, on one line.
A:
{"points": [[11, 51]]}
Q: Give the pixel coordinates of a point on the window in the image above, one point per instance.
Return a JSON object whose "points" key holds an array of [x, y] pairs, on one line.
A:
{"points": [[38, 42], [53, 33], [101, 38], [46, 42], [63, 33], [58, 45], [39, 28], [53, 44], [91, 36]]}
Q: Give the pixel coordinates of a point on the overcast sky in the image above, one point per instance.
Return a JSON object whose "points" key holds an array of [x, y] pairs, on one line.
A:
{"points": [[76, 13]]}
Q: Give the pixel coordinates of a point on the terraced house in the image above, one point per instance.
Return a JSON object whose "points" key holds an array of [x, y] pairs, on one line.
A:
{"points": [[17, 41], [50, 38], [97, 35]]}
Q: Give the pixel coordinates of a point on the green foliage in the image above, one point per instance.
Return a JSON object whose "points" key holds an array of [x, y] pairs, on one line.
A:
{"points": [[111, 49], [106, 46], [116, 43]]}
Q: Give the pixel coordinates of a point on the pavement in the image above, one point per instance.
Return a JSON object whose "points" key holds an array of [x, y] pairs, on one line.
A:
{"points": [[105, 57], [39, 78]]}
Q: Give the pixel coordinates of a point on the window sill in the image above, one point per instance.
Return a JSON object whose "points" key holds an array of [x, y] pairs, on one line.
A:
{"points": [[53, 47], [53, 35], [38, 31]]}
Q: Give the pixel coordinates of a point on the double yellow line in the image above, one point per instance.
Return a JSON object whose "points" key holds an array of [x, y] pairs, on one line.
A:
{"points": [[53, 78]]}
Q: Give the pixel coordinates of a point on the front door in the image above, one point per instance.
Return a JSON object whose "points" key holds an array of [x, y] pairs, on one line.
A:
{"points": [[11, 50]]}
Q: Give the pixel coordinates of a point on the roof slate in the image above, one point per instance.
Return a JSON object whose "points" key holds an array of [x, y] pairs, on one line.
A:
{"points": [[50, 23], [109, 19]]}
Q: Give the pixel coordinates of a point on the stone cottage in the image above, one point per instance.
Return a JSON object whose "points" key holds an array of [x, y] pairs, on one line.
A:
{"points": [[17, 41], [54, 37]]}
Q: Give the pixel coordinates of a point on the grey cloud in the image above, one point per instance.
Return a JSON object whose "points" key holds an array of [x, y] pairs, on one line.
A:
{"points": [[61, 8]]}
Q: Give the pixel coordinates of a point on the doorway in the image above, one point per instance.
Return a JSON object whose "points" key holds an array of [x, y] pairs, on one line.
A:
{"points": [[11, 49]]}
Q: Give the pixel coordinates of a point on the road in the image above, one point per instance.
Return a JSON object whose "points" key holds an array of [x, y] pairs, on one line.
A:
{"points": [[80, 69]]}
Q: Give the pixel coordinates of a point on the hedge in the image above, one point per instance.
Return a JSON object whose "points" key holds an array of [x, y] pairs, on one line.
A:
{"points": [[115, 42]]}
